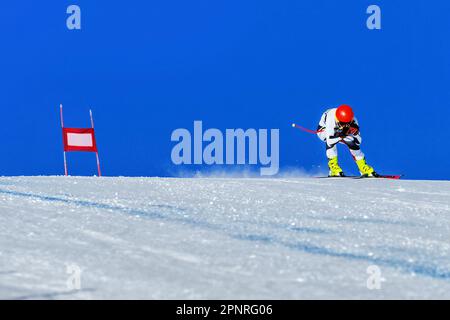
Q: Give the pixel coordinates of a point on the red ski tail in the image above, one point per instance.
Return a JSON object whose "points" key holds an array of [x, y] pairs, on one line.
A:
{"points": [[394, 177]]}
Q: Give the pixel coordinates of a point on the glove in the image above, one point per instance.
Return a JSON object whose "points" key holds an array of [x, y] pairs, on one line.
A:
{"points": [[353, 131]]}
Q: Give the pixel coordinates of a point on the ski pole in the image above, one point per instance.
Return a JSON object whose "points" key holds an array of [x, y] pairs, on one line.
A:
{"points": [[294, 125], [306, 129], [318, 131]]}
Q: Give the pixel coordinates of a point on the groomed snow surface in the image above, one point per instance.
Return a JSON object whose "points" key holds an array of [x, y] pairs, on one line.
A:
{"points": [[152, 238]]}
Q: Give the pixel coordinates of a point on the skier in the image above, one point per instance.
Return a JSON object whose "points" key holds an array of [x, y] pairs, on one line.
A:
{"points": [[339, 125]]}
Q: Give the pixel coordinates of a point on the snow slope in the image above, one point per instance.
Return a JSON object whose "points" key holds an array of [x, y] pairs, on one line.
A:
{"points": [[158, 238]]}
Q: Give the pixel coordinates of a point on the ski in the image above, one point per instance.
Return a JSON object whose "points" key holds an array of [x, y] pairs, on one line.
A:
{"points": [[344, 177], [380, 176]]}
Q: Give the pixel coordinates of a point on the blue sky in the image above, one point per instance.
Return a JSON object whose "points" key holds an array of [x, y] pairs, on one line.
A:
{"points": [[147, 68]]}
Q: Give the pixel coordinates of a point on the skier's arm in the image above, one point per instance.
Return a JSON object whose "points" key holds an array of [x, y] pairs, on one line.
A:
{"points": [[330, 125], [351, 128], [339, 133]]}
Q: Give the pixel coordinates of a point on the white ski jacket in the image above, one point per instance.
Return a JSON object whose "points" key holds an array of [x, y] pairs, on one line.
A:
{"points": [[330, 131]]}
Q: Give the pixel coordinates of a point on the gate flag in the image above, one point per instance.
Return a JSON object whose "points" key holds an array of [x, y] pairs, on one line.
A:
{"points": [[79, 139], [76, 139]]}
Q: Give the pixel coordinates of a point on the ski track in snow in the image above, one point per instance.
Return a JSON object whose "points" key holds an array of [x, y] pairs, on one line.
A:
{"points": [[156, 238]]}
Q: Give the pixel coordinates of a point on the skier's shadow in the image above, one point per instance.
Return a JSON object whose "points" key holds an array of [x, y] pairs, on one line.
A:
{"points": [[51, 295], [48, 295]]}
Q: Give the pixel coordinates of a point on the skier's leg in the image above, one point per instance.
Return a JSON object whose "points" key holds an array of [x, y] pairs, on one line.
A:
{"points": [[331, 152], [332, 155], [353, 143]]}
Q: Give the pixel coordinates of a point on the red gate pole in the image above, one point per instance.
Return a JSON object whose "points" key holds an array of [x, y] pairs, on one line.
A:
{"points": [[62, 126], [96, 153]]}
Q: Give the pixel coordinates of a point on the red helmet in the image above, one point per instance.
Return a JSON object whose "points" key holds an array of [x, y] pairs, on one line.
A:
{"points": [[344, 113]]}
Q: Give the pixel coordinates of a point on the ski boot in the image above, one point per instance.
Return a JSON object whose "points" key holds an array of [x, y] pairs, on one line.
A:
{"points": [[335, 170], [365, 169]]}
